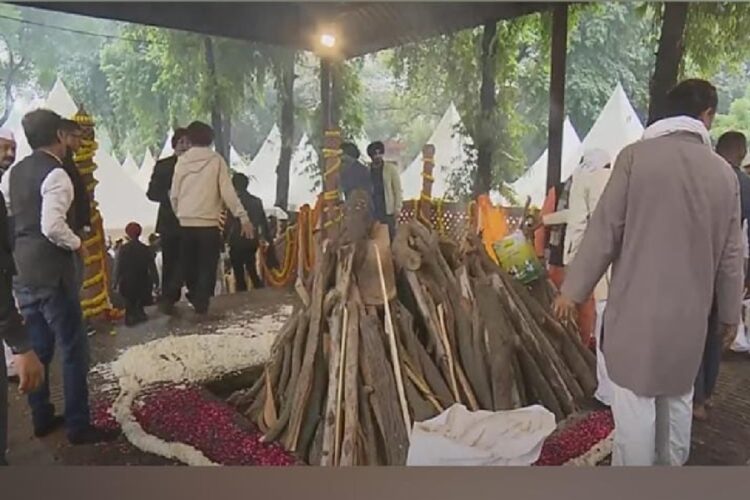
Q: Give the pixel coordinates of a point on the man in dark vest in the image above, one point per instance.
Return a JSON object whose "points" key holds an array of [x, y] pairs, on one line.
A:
{"points": [[40, 195], [167, 225]]}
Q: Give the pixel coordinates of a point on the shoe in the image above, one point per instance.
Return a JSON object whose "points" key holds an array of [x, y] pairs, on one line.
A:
{"points": [[92, 435], [47, 429]]}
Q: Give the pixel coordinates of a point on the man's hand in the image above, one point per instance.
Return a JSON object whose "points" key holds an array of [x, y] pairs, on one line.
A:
{"points": [[728, 334], [247, 231], [30, 371], [565, 309]]}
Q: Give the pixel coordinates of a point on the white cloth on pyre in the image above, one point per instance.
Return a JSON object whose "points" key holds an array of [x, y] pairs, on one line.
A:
{"points": [[459, 437]]}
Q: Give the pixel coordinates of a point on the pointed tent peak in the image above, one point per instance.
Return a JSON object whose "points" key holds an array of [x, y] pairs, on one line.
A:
{"points": [[167, 150], [129, 165], [60, 101], [617, 126], [261, 171], [148, 158], [533, 183]]}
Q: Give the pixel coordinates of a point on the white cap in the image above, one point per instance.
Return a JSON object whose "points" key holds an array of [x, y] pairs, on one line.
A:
{"points": [[7, 134], [594, 159]]}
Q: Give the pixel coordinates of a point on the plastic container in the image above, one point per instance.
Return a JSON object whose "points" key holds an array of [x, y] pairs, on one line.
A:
{"points": [[517, 256]]}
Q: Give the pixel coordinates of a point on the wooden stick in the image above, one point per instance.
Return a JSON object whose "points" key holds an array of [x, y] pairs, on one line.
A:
{"points": [[327, 453], [340, 387], [392, 341], [449, 355]]}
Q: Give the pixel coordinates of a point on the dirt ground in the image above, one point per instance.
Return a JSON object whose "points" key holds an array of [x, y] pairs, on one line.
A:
{"points": [[723, 440]]}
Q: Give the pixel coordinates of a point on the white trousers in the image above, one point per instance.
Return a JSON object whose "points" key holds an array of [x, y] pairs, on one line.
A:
{"points": [[604, 385], [11, 367], [651, 431]]}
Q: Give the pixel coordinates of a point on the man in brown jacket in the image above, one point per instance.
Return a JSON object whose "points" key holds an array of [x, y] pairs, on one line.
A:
{"points": [[669, 223]]}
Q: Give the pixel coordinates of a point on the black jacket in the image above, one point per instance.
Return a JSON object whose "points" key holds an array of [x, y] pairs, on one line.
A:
{"points": [[135, 274], [254, 208], [158, 191], [79, 215]]}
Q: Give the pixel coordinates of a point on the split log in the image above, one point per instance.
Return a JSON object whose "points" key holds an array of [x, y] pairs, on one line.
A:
{"points": [[350, 382], [304, 383], [377, 374], [370, 442]]}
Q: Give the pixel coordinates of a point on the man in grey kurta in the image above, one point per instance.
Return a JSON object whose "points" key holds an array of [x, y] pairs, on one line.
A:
{"points": [[669, 223]]}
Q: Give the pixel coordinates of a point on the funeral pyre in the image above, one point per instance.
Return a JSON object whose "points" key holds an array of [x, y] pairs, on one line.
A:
{"points": [[348, 375]]}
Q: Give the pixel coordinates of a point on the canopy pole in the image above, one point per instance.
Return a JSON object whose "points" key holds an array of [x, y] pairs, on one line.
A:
{"points": [[557, 94], [424, 204]]}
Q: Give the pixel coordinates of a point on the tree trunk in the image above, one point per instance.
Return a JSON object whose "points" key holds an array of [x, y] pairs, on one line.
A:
{"points": [[221, 142], [337, 92], [286, 94], [668, 57], [556, 120], [487, 101]]}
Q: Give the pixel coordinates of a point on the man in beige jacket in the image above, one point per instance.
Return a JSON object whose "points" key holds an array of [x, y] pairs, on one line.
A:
{"points": [[201, 187], [387, 196], [669, 224]]}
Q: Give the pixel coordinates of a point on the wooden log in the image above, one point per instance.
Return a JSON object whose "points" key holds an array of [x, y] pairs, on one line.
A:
{"points": [[370, 442], [300, 338], [427, 367], [404, 255], [314, 411], [543, 354], [519, 387], [421, 409], [304, 383], [420, 384], [351, 381], [338, 324], [521, 298], [286, 371], [391, 335], [471, 352], [314, 457], [542, 389], [448, 353], [500, 346], [339, 411], [378, 375], [430, 319], [269, 409]]}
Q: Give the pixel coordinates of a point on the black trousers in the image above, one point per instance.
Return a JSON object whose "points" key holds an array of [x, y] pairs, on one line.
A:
{"points": [[171, 275], [200, 250], [708, 374], [243, 258]]}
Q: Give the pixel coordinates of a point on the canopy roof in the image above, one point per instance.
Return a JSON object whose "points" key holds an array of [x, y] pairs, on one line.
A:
{"points": [[143, 177], [361, 27], [130, 166]]}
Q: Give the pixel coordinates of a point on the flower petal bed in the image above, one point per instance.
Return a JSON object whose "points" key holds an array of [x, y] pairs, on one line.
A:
{"points": [[185, 414], [577, 440]]}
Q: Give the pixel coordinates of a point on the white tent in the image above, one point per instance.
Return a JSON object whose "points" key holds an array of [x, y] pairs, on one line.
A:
{"points": [[450, 152], [262, 170], [120, 199], [533, 182], [167, 150], [617, 126], [60, 101], [236, 161], [129, 166], [301, 184], [143, 177]]}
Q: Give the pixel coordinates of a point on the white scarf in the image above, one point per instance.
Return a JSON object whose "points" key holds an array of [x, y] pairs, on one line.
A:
{"points": [[675, 124]]}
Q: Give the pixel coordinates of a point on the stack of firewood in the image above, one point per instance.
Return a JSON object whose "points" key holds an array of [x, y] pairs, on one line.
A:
{"points": [[346, 381]]}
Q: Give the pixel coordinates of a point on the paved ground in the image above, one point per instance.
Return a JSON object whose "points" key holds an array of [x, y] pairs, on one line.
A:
{"points": [[724, 440]]}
